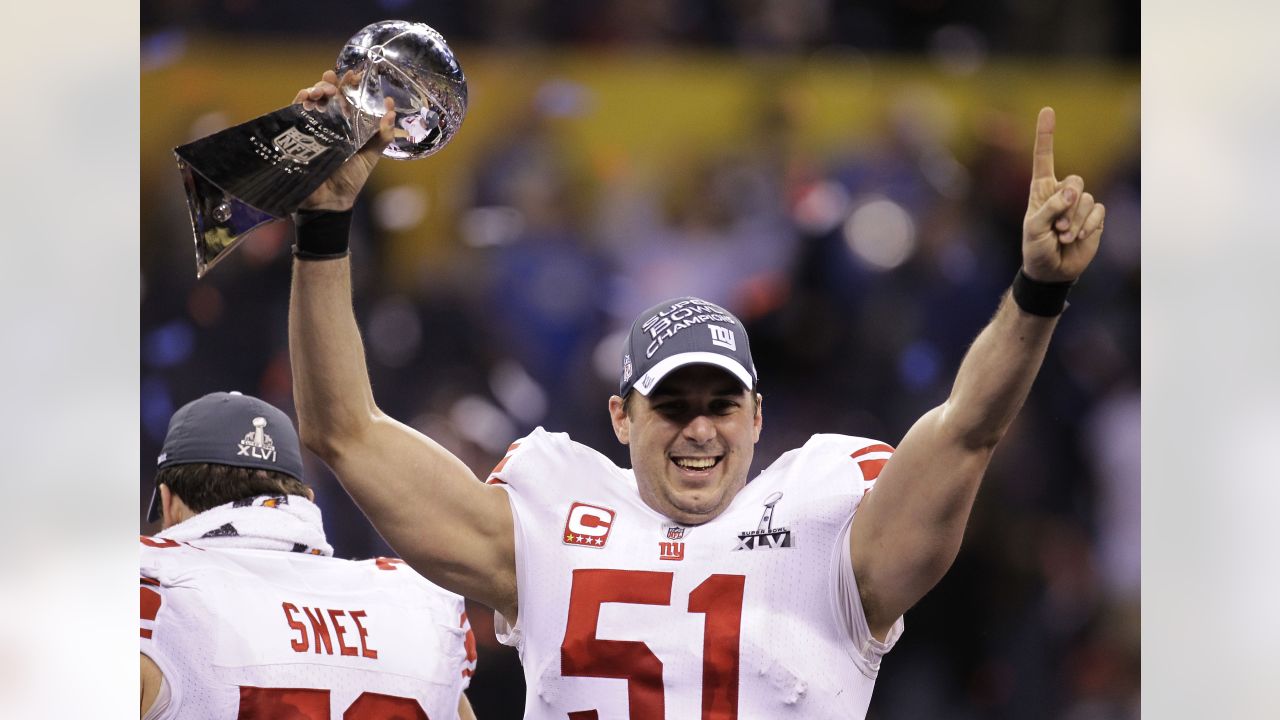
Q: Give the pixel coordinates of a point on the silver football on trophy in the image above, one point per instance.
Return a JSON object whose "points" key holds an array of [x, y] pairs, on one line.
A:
{"points": [[410, 63]]}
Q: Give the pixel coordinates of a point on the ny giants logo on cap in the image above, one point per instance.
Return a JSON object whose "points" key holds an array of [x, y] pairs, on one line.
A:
{"points": [[587, 525], [723, 337]]}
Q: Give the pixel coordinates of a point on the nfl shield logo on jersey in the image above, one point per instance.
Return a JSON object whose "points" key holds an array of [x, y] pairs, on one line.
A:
{"points": [[673, 550]]}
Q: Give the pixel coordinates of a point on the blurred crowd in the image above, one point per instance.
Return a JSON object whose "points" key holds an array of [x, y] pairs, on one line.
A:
{"points": [[862, 276], [1088, 28]]}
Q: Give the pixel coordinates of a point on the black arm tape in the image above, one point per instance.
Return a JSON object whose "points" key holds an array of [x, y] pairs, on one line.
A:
{"points": [[1046, 299], [321, 235]]}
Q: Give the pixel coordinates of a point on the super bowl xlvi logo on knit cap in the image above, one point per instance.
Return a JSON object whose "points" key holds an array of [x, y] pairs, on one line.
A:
{"points": [[680, 332], [228, 428]]}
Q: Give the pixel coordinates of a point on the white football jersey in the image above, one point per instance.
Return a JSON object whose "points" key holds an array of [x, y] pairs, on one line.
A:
{"points": [[625, 614], [242, 633]]}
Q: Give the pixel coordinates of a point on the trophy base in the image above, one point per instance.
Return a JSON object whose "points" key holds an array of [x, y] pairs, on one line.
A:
{"points": [[258, 172], [219, 222]]}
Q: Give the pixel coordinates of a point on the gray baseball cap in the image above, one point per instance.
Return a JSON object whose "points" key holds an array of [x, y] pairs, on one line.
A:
{"points": [[228, 428], [679, 332]]}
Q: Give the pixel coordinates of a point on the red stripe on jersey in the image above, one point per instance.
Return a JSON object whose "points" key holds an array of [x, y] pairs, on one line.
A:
{"points": [[870, 449], [871, 468], [501, 464], [584, 715], [148, 603], [469, 642], [148, 581], [148, 606]]}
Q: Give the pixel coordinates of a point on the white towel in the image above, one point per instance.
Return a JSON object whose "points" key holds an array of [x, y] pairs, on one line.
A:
{"points": [[268, 522]]}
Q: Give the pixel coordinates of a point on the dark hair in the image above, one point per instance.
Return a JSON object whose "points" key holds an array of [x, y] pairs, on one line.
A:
{"points": [[204, 486]]}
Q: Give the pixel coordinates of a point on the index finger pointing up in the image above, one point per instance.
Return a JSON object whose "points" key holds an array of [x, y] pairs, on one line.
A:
{"points": [[1042, 164]]}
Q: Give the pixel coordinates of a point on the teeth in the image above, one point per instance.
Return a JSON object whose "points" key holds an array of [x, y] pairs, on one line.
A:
{"points": [[695, 463]]}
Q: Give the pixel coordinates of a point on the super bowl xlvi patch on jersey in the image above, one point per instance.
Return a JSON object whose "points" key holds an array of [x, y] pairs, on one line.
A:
{"points": [[765, 537], [587, 525]]}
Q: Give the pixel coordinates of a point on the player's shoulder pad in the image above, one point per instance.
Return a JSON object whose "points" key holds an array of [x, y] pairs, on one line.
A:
{"points": [[161, 558], [867, 455], [846, 444], [534, 453], [397, 571]]}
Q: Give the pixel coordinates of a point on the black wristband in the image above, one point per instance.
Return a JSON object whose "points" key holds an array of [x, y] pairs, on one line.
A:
{"points": [[321, 235], [1046, 299]]}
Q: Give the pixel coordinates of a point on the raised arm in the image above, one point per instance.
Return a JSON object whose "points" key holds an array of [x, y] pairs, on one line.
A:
{"points": [[426, 503], [907, 532]]}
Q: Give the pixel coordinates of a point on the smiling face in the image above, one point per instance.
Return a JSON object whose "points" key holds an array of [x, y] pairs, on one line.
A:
{"points": [[691, 440]]}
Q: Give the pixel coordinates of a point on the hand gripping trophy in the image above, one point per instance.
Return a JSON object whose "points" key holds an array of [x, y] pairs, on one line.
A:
{"points": [[260, 171]]}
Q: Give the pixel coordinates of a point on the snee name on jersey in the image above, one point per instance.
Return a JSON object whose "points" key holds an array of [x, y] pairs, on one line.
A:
{"points": [[328, 633]]}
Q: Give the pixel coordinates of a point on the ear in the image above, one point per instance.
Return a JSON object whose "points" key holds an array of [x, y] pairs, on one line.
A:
{"points": [[311, 494], [621, 423], [172, 509], [166, 502], [758, 421]]}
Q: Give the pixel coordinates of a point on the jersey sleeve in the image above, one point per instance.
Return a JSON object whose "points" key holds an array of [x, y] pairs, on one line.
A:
{"points": [[871, 458], [151, 589], [155, 562], [506, 475], [851, 465], [526, 474], [847, 606], [518, 468], [444, 606], [149, 602], [848, 464]]}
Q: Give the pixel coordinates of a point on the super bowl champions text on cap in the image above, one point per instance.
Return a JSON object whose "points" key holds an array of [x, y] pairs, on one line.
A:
{"points": [[681, 316]]}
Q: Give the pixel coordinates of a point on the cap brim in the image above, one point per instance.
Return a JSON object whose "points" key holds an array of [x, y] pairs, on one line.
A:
{"points": [[647, 382], [153, 512]]}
